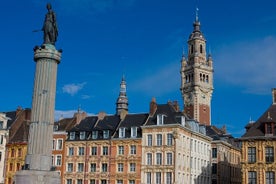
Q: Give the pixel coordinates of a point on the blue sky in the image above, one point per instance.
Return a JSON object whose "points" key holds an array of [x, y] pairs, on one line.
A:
{"points": [[144, 40]]}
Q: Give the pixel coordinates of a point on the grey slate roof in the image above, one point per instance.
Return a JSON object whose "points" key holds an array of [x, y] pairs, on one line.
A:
{"points": [[132, 120], [171, 115], [257, 129], [12, 116], [86, 124]]}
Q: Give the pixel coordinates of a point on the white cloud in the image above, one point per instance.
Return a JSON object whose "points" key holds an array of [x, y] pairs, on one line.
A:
{"points": [[160, 82], [59, 114], [250, 65], [72, 89]]}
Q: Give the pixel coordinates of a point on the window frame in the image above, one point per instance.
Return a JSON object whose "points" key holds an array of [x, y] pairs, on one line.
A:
{"points": [[251, 154]]}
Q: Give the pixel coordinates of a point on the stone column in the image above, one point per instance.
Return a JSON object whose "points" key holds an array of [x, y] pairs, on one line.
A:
{"points": [[38, 161]]}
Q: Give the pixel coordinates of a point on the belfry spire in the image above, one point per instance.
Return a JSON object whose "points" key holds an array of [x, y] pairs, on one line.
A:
{"points": [[122, 101], [197, 77]]}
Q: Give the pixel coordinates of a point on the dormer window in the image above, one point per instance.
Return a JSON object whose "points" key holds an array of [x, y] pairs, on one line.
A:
{"points": [[1, 124], [160, 119], [55, 127], [82, 135], [122, 132], [105, 134], [268, 128], [133, 131], [94, 134], [183, 120], [72, 135]]}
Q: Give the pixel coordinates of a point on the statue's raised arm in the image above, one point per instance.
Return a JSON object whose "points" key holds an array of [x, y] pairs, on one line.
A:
{"points": [[50, 27]]}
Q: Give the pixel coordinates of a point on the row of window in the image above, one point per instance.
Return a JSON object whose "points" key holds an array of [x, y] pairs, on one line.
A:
{"points": [[94, 135], [16, 152], [159, 140], [94, 150], [14, 167], [105, 134], [269, 154], [158, 159], [104, 167], [57, 144], [269, 177], [56, 160], [157, 178], [122, 132], [202, 78], [93, 181], [192, 48]]}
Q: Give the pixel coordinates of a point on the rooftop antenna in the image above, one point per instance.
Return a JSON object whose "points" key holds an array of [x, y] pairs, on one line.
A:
{"points": [[79, 108], [197, 14]]}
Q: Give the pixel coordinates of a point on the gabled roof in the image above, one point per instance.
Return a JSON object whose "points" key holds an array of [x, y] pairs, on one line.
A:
{"points": [[171, 115], [257, 129], [132, 120]]}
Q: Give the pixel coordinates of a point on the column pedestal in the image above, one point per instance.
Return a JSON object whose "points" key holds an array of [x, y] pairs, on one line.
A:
{"points": [[37, 177]]}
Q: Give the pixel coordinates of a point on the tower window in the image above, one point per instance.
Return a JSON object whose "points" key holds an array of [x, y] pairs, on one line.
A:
{"points": [[192, 49], [201, 49]]}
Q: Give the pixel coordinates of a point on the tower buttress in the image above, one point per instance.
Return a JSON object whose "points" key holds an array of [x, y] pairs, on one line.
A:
{"points": [[122, 100], [197, 77]]}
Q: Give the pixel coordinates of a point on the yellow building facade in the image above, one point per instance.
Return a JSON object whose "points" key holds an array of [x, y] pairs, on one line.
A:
{"points": [[258, 148]]}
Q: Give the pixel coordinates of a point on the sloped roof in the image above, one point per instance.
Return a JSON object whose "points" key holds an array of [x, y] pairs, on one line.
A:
{"points": [[66, 124], [257, 128], [171, 115], [86, 124], [109, 122], [12, 117], [22, 133], [132, 120]]}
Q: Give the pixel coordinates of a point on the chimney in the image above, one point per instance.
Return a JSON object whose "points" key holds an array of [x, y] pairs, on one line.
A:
{"points": [[28, 114], [176, 106], [153, 106], [80, 116], [101, 115], [18, 110], [274, 96]]}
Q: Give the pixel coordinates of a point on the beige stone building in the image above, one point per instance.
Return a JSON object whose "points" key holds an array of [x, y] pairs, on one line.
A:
{"points": [[175, 149], [226, 157]]}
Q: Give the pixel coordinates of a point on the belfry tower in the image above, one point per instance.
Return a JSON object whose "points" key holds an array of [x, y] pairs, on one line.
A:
{"points": [[38, 163], [122, 101], [197, 77]]}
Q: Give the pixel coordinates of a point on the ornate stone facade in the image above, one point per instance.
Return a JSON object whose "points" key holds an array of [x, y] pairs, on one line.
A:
{"points": [[258, 148]]}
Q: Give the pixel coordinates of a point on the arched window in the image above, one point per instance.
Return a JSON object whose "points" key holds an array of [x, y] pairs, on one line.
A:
{"points": [[201, 49], [207, 79], [192, 49]]}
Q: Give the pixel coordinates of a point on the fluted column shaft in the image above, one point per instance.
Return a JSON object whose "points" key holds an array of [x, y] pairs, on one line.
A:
{"points": [[43, 105]]}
